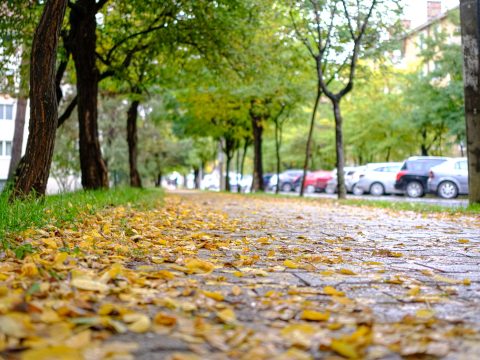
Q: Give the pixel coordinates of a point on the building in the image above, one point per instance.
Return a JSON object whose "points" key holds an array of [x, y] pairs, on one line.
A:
{"points": [[413, 41], [8, 109]]}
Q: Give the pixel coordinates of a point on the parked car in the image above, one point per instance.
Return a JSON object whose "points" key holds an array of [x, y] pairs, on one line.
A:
{"points": [[332, 186], [449, 179], [315, 181], [379, 178], [266, 180], [287, 180], [352, 178], [413, 176]]}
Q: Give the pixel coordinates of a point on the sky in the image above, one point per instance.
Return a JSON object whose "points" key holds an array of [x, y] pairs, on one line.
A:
{"points": [[416, 10]]}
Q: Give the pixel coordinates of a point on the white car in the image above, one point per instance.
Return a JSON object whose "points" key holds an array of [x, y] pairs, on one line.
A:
{"points": [[379, 179]]}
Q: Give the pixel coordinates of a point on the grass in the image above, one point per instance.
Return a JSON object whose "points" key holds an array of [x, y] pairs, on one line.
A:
{"points": [[58, 210], [385, 204]]}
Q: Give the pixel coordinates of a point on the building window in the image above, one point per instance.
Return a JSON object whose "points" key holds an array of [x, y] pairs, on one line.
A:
{"points": [[6, 112], [8, 148], [1, 148]]}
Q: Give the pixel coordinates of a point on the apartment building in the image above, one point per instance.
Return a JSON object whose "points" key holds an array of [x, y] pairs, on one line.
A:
{"points": [[8, 108], [438, 20]]}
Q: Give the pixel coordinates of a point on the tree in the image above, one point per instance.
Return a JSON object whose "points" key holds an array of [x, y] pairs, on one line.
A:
{"points": [[33, 170], [470, 25], [434, 95], [336, 45]]}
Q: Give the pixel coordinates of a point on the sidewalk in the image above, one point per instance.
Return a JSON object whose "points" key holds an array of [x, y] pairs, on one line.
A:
{"points": [[297, 280], [216, 276]]}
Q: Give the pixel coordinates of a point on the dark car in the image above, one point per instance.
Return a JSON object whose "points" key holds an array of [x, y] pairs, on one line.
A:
{"points": [[287, 180], [413, 175]]}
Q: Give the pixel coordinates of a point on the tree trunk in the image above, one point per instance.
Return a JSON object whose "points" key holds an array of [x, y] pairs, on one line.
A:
{"points": [[342, 193], [308, 150], [158, 180], [18, 135], [470, 24], [132, 140], [277, 154], [227, 176], [257, 128], [84, 39], [237, 171], [196, 176], [33, 170], [244, 155]]}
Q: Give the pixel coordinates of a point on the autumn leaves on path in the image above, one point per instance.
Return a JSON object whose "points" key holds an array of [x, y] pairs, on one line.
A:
{"points": [[214, 276]]}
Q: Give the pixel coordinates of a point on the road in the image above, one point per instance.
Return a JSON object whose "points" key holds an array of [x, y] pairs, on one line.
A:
{"points": [[453, 203]]}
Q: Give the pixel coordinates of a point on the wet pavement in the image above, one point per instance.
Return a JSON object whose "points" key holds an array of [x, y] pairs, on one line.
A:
{"points": [[298, 279]]}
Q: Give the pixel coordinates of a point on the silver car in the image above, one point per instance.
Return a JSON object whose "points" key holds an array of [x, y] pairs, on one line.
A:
{"points": [[379, 178], [449, 179], [350, 182]]}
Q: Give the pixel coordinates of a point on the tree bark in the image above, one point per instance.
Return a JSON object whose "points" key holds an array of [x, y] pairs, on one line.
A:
{"points": [[470, 25], [17, 143], [196, 176], [132, 140], [342, 193], [257, 128], [158, 180], [84, 39], [33, 170], [244, 155], [308, 150]]}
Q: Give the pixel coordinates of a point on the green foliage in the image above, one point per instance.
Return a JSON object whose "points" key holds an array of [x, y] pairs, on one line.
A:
{"points": [[434, 92]]}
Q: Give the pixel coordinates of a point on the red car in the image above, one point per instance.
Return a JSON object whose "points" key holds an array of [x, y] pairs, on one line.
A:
{"points": [[316, 181]]}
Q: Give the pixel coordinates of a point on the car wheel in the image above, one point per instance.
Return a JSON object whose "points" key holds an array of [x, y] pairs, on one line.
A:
{"points": [[356, 190], [287, 187], [414, 189], [330, 190], [447, 190], [310, 189], [377, 189]]}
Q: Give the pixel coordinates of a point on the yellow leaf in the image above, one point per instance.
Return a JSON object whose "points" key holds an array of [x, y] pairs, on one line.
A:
{"points": [[15, 325], [89, 284], [303, 328], [29, 269], [425, 313], [60, 352], [213, 295], [290, 264], [198, 266], [49, 316], [80, 340], [446, 279], [330, 290], [60, 258], [463, 241], [138, 323], [314, 315], [345, 349], [467, 282], [51, 243], [227, 316], [414, 291], [236, 290], [335, 326], [347, 272], [164, 319]]}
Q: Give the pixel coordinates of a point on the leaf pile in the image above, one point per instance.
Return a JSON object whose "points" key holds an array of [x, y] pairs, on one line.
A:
{"points": [[230, 287]]}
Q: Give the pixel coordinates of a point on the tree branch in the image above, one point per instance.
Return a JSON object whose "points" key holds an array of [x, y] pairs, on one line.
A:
{"points": [[68, 111]]}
